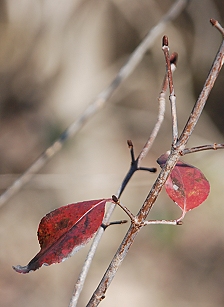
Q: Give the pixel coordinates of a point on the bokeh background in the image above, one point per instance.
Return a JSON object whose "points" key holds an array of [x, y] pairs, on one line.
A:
{"points": [[55, 57]]}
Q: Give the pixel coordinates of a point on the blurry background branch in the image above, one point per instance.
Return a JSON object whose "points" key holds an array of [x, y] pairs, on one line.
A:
{"points": [[98, 102]]}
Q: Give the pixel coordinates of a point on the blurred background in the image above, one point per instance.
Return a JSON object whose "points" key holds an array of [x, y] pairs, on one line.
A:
{"points": [[55, 57]]}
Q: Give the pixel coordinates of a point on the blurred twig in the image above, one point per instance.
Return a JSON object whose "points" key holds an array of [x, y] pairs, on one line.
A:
{"points": [[97, 103]]}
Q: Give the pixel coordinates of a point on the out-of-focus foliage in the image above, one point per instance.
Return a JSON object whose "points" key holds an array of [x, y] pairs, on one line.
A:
{"points": [[55, 56]]}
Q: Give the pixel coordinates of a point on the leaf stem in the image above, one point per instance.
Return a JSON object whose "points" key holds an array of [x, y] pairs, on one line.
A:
{"points": [[125, 209]]}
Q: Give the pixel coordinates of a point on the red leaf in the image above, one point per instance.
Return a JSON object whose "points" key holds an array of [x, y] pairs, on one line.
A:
{"points": [[186, 185], [63, 231]]}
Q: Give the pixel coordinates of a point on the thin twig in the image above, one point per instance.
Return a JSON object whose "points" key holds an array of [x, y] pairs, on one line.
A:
{"points": [[105, 226], [135, 163], [125, 209], [88, 261], [160, 118], [201, 148], [163, 222], [172, 96]]}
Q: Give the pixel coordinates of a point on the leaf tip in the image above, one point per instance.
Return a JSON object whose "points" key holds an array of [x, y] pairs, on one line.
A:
{"points": [[21, 269]]}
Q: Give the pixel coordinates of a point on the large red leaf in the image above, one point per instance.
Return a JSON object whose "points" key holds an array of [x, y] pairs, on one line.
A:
{"points": [[186, 185], [64, 231]]}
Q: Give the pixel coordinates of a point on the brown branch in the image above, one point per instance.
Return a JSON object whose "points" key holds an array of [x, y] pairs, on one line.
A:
{"points": [[125, 71], [122, 251]]}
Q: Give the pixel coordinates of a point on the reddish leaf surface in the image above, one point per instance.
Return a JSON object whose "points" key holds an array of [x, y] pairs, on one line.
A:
{"points": [[64, 231], [186, 185]]}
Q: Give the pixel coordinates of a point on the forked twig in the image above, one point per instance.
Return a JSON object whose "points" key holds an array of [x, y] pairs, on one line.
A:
{"points": [[133, 168], [135, 163]]}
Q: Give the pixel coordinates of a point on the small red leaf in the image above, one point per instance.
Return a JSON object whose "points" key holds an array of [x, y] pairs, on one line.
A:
{"points": [[186, 185], [63, 231]]}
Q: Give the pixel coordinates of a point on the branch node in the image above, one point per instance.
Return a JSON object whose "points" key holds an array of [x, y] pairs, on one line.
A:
{"points": [[115, 199], [99, 297], [174, 58], [174, 146], [165, 41]]}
